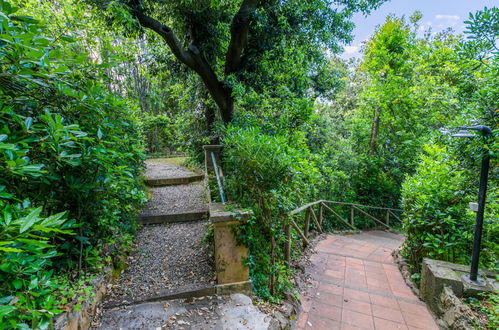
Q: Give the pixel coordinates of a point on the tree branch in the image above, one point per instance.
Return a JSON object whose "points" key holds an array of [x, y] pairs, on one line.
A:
{"points": [[167, 34], [239, 35], [193, 58]]}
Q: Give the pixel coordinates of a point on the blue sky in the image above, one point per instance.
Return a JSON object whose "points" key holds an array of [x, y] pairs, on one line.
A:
{"points": [[437, 14]]}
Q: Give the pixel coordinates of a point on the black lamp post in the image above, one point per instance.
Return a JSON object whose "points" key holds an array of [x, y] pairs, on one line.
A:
{"points": [[472, 277]]}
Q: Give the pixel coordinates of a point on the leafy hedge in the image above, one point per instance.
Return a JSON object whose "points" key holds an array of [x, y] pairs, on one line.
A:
{"points": [[70, 164], [272, 175], [437, 220]]}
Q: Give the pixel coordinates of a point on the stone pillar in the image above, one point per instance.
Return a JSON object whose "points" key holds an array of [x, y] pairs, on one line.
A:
{"points": [[229, 256]]}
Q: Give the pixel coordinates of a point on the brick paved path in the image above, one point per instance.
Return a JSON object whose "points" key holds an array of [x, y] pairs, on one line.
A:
{"points": [[356, 285]]}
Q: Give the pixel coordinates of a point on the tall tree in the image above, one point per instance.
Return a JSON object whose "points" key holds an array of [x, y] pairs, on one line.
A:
{"points": [[226, 42]]}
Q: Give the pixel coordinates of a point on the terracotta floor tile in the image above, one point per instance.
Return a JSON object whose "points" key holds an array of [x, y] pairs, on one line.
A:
{"points": [[317, 322], [358, 283], [326, 311], [361, 261], [356, 294], [377, 273], [384, 301], [346, 326], [376, 281], [357, 319], [302, 320], [354, 261], [382, 324], [330, 299], [306, 304], [379, 289], [391, 267], [357, 306], [422, 321], [335, 274], [412, 308], [405, 294], [331, 289], [387, 313]]}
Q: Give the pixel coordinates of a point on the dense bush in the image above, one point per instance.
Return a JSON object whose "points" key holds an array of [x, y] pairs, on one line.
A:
{"points": [[70, 161], [272, 175], [435, 203], [437, 220]]}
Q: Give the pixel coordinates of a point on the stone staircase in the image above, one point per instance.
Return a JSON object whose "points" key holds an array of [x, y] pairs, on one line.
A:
{"points": [[178, 194], [169, 259], [171, 272]]}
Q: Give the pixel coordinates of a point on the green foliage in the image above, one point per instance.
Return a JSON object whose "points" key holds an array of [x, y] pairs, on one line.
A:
{"points": [[437, 196], [435, 202], [272, 175], [69, 149], [488, 306], [482, 30], [28, 245]]}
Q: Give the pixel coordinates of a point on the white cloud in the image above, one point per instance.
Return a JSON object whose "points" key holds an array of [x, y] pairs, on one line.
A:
{"points": [[448, 17], [351, 49]]}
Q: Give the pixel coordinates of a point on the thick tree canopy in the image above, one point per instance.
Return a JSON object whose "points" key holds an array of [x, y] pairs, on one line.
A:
{"points": [[238, 46]]}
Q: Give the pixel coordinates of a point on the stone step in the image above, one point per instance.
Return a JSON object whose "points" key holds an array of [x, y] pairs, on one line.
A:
{"points": [[177, 293], [187, 292], [173, 217], [160, 182], [177, 203]]}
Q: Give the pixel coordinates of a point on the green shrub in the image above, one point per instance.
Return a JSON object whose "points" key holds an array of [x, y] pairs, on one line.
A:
{"points": [[436, 221], [69, 149], [272, 174], [28, 244]]}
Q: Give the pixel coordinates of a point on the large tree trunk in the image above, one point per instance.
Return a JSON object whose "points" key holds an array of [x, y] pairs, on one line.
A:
{"points": [[374, 133]]}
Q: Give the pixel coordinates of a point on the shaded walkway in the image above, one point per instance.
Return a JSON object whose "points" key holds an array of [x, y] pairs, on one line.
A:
{"points": [[356, 285]]}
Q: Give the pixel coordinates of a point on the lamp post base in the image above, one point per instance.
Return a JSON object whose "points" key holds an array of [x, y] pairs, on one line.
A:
{"points": [[479, 281]]}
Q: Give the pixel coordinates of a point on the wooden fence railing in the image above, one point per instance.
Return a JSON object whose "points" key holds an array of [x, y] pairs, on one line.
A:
{"points": [[318, 220]]}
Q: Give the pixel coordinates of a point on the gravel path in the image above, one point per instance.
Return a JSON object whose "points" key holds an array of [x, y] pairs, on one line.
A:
{"points": [[176, 199], [165, 257], [160, 168]]}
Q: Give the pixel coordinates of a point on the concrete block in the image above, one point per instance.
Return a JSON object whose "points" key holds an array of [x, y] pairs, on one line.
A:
{"points": [[240, 287], [437, 275], [230, 256]]}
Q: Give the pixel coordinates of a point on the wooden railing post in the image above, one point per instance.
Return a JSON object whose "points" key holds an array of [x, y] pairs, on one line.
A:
{"points": [[387, 217], [287, 248], [307, 222], [295, 226], [352, 215], [321, 217], [316, 221]]}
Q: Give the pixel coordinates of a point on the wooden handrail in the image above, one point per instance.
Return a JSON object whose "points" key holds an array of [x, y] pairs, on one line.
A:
{"points": [[360, 205], [318, 221], [303, 208], [338, 216], [295, 226], [370, 216], [395, 216]]}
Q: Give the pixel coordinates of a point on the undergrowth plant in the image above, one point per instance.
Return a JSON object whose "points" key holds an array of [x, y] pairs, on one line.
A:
{"points": [[272, 175], [70, 163]]}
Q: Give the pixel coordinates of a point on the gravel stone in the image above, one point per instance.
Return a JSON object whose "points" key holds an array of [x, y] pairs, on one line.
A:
{"points": [[160, 168], [165, 257], [176, 199]]}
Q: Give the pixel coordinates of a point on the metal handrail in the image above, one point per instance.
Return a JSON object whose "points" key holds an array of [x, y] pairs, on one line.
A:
{"points": [[217, 174]]}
